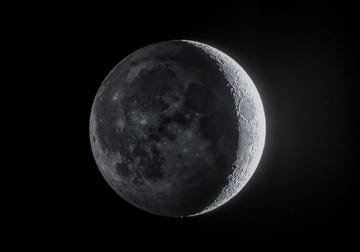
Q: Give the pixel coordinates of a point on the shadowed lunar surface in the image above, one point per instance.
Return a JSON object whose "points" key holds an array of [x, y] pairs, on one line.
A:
{"points": [[177, 128]]}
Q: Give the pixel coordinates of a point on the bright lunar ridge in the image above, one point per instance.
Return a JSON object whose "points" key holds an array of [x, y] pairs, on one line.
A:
{"points": [[177, 128]]}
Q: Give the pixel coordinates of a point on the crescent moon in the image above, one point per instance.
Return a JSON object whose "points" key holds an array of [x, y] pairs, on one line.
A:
{"points": [[113, 130]]}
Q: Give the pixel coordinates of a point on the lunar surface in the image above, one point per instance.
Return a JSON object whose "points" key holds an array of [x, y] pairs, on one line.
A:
{"points": [[177, 128]]}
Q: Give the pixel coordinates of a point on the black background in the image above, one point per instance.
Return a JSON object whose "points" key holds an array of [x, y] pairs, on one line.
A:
{"points": [[296, 54]]}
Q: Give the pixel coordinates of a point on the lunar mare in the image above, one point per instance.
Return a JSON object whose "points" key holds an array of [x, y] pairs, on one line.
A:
{"points": [[177, 128]]}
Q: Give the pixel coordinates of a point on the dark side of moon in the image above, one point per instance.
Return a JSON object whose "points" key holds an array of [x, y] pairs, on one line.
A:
{"points": [[164, 129]]}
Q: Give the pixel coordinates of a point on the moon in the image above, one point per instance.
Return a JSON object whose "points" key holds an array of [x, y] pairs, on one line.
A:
{"points": [[177, 128]]}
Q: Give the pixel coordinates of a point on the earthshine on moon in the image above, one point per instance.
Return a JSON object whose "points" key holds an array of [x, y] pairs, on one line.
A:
{"points": [[177, 128]]}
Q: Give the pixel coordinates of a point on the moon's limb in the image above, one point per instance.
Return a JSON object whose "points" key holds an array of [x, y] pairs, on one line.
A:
{"points": [[247, 99]]}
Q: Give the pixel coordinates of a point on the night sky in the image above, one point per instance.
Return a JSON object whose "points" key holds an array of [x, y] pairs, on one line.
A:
{"points": [[296, 55]]}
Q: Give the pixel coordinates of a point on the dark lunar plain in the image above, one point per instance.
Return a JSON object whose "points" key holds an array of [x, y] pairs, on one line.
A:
{"points": [[296, 54], [165, 128]]}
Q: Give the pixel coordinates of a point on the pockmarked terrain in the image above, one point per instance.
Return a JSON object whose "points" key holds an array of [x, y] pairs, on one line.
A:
{"points": [[177, 128]]}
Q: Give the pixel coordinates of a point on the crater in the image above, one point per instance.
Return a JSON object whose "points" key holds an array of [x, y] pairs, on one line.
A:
{"points": [[123, 170]]}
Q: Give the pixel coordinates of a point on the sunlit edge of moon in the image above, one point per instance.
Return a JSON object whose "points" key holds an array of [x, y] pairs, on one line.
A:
{"points": [[240, 84]]}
